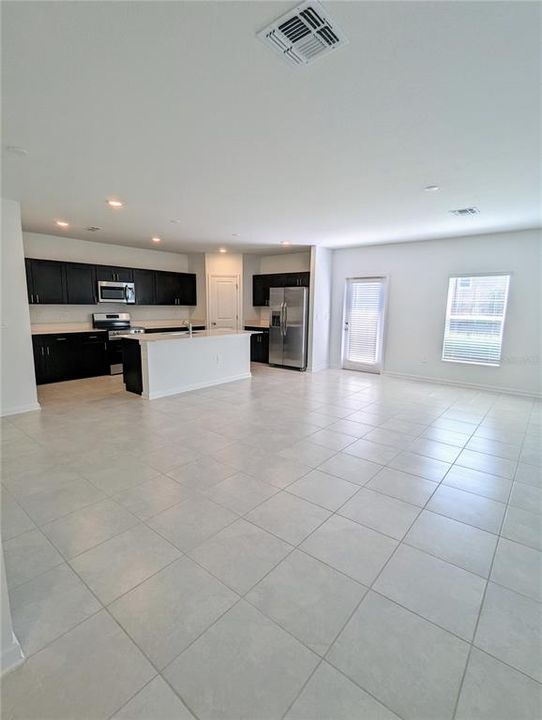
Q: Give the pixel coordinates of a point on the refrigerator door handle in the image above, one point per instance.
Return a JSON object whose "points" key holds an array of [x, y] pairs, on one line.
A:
{"points": [[285, 318]]}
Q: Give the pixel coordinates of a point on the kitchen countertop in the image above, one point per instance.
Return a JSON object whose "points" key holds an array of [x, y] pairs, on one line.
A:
{"points": [[62, 328], [197, 335]]}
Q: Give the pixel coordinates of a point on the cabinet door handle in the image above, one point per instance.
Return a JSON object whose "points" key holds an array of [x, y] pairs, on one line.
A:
{"points": [[48, 349], [60, 340], [42, 351], [92, 337], [31, 297], [37, 298]]}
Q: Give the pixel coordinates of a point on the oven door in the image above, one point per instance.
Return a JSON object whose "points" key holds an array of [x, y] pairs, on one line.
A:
{"points": [[116, 292], [114, 354]]}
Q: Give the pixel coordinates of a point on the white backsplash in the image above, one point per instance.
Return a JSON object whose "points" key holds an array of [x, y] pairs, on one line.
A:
{"points": [[58, 314]]}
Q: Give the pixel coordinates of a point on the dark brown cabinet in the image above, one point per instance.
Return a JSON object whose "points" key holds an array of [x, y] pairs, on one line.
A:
{"points": [[53, 282], [144, 286], [80, 284], [259, 344], [69, 356], [175, 288], [261, 285], [260, 289], [45, 282], [110, 273]]}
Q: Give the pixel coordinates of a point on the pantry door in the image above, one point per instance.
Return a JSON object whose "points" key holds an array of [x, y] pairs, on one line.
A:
{"points": [[224, 302]]}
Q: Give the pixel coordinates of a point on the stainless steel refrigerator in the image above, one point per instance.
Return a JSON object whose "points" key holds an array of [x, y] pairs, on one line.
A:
{"points": [[288, 322]]}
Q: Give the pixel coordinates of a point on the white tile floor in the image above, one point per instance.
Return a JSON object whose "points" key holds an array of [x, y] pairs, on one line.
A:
{"points": [[334, 546]]}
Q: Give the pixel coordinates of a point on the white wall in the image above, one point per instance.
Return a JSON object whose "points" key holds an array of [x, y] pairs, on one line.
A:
{"points": [[51, 247], [18, 382], [320, 308], [289, 262], [196, 264], [418, 283], [251, 266]]}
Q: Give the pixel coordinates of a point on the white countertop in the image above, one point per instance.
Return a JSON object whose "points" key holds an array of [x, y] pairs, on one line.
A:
{"points": [[262, 324], [184, 335], [61, 328]]}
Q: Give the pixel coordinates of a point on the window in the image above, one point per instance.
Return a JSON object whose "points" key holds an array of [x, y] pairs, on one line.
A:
{"points": [[364, 324], [475, 319]]}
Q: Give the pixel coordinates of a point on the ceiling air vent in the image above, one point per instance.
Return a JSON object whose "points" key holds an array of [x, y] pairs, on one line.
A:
{"points": [[465, 211], [303, 34], [93, 228]]}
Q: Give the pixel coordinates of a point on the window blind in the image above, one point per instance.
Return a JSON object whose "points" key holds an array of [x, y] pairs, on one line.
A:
{"points": [[475, 319], [364, 318]]}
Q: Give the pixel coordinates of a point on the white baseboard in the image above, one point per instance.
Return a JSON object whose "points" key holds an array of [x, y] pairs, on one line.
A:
{"points": [[459, 383], [5, 412], [196, 386], [11, 657]]}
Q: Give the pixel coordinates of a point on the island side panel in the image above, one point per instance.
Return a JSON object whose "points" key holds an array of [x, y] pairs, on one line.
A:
{"points": [[173, 367], [131, 366]]}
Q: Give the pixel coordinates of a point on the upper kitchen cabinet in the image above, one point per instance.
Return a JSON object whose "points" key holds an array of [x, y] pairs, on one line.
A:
{"points": [[52, 282], [110, 273], [174, 288], [189, 295], [262, 283], [298, 279], [80, 284], [46, 282], [260, 290], [144, 287]]}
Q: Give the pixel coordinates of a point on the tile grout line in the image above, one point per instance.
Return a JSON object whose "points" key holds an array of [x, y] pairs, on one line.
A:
{"points": [[484, 595]]}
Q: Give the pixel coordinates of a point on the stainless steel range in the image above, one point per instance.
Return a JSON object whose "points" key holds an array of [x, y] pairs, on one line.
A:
{"points": [[117, 325]]}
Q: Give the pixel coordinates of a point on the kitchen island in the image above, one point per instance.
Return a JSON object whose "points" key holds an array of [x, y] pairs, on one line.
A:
{"points": [[161, 364]]}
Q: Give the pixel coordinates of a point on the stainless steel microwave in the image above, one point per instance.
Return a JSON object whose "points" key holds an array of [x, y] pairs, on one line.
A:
{"points": [[116, 292]]}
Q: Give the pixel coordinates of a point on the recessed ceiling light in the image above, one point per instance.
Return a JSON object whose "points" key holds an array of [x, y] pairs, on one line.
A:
{"points": [[115, 203], [431, 188], [62, 223], [284, 242], [156, 239], [222, 250]]}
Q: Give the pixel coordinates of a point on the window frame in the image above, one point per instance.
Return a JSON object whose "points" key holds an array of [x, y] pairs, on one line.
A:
{"points": [[458, 276]]}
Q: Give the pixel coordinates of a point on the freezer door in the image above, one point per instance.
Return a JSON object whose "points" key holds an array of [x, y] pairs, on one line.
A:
{"points": [[295, 327], [276, 325]]}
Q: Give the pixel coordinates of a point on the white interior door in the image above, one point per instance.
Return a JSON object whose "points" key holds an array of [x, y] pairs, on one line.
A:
{"points": [[224, 302], [364, 312]]}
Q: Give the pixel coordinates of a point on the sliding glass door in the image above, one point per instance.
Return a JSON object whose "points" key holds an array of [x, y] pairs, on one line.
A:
{"points": [[364, 324]]}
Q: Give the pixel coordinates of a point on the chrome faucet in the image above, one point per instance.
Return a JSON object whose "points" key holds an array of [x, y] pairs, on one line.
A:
{"points": [[188, 324]]}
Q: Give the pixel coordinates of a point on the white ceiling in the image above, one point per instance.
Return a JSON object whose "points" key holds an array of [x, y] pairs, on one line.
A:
{"points": [[179, 110]]}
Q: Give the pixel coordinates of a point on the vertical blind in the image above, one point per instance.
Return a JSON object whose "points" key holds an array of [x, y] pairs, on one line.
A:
{"points": [[364, 318], [475, 319]]}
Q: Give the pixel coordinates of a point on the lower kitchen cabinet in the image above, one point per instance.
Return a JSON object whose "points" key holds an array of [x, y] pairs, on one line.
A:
{"points": [[259, 347], [70, 356]]}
